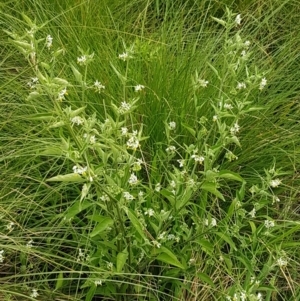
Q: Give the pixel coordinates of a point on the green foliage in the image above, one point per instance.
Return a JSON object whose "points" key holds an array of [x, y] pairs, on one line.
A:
{"points": [[149, 157]]}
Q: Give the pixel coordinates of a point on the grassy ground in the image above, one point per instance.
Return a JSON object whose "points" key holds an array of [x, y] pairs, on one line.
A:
{"points": [[149, 150]]}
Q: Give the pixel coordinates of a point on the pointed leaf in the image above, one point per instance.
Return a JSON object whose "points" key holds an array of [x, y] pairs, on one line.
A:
{"points": [[172, 260], [227, 174], [121, 260], [77, 74], [103, 225], [206, 278], [227, 239], [77, 208], [59, 281], [71, 177], [136, 223], [212, 188]]}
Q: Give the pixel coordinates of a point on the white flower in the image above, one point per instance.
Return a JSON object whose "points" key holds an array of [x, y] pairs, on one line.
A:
{"points": [[171, 237], [81, 255], [203, 83], [275, 183], [149, 212], [197, 158], [181, 162], [49, 40], [124, 108], [252, 213], [105, 198], [235, 129], [98, 282], [77, 120], [213, 222], [29, 244], [124, 56], [282, 262], [269, 224], [61, 94], [34, 293], [259, 297], [79, 170], [172, 125], [192, 261], [244, 53], [128, 196], [133, 180], [158, 187], [263, 83], [10, 226], [241, 86], [138, 88], [173, 184], [124, 131], [162, 236], [247, 43], [215, 118], [1, 256], [92, 139], [238, 19], [228, 106], [33, 82], [133, 143], [82, 60], [275, 199], [243, 296], [98, 86], [156, 244], [171, 149]]}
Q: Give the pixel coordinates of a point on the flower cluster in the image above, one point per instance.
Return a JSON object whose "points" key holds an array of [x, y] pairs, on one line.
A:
{"points": [[133, 142], [79, 170], [124, 108], [98, 86], [77, 120], [49, 40]]}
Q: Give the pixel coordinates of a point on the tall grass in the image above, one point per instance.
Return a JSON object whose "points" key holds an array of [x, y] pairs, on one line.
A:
{"points": [[176, 178]]}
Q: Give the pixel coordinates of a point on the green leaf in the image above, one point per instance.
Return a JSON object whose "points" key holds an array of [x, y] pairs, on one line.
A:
{"points": [[227, 239], [71, 177], [172, 260], [40, 116], [76, 208], [121, 260], [136, 223], [214, 70], [91, 292], [227, 174], [120, 76], [57, 124], [59, 281], [77, 74], [206, 246], [60, 81], [206, 278], [102, 225], [246, 263], [33, 95], [222, 22], [212, 188], [192, 131]]}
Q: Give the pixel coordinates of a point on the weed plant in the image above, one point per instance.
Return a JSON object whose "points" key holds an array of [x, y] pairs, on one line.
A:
{"points": [[149, 150]]}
